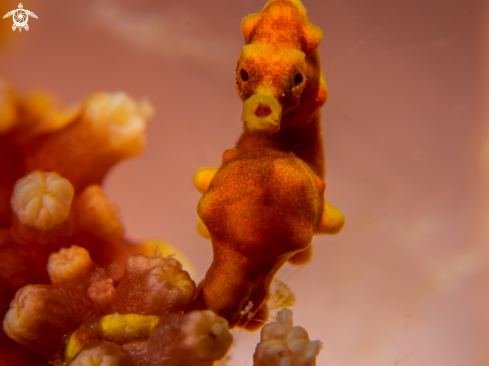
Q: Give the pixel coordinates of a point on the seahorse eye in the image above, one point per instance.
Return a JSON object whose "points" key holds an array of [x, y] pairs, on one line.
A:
{"points": [[298, 79], [243, 74]]}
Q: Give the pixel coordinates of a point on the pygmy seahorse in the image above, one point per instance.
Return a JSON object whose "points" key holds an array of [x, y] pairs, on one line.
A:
{"points": [[279, 79]]}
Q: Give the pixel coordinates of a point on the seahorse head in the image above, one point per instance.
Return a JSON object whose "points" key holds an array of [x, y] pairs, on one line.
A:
{"points": [[279, 67]]}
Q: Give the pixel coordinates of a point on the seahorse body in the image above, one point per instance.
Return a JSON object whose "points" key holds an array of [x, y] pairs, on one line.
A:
{"points": [[280, 81], [261, 208]]}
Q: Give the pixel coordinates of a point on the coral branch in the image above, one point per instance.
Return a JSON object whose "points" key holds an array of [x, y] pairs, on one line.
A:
{"points": [[40, 315], [110, 128], [102, 293], [115, 328], [197, 338], [153, 285], [283, 344], [40, 113], [41, 206], [102, 354], [21, 265], [96, 216], [70, 267], [42, 200]]}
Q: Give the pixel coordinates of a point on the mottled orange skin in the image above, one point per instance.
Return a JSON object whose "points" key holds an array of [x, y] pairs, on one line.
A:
{"points": [[261, 208], [281, 43]]}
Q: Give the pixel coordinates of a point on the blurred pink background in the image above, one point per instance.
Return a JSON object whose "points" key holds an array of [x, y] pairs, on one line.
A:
{"points": [[407, 138]]}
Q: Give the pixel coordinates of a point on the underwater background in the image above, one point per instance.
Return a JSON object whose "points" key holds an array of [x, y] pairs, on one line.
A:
{"points": [[407, 141]]}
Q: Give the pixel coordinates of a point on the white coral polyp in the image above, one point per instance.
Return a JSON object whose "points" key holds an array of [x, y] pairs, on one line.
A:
{"points": [[68, 265], [96, 356], [207, 334], [101, 292], [42, 200], [282, 344], [120, 117]]}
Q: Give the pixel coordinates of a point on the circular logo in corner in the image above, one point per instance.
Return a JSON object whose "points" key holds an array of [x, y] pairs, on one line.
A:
{"points": [[20, 17]]}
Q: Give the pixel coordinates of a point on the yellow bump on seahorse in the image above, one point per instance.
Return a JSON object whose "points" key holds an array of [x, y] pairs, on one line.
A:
{"points": [[332, 220]]}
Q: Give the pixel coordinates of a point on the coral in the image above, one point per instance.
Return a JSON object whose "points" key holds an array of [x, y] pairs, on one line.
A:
{"points": [[96, 216], [110, 128], [279, 79], [197, 338], [47, 212], [150, 247], [116, 253], [21, 265], [281, 296], [40, 315], [138, 350], [40, 113], [262, 207], [283, 344], [102, 292], [102, 354], [42, 200], [153, 285], [115, 328], [70, 267]]}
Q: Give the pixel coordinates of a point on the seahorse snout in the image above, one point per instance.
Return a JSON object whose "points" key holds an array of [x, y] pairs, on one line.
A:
{"points": [[261, 113]]}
